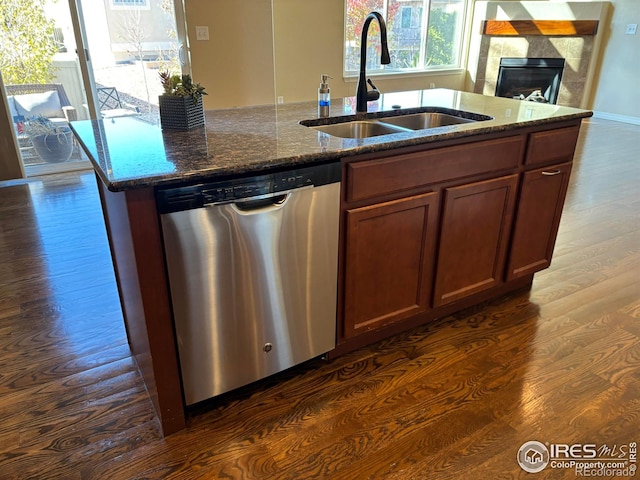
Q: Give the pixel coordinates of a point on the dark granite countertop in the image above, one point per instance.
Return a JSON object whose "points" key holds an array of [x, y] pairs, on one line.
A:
{"points": [[129, 153]]}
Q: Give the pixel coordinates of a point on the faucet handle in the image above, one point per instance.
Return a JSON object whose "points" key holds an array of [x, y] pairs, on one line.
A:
{"points": [[372, 94]]}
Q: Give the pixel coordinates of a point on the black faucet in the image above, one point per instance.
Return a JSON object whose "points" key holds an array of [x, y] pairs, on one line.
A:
{"points": [[363, 95]]}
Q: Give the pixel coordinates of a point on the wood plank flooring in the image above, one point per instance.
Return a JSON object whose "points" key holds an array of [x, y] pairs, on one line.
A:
{"points": [[453, 399]]}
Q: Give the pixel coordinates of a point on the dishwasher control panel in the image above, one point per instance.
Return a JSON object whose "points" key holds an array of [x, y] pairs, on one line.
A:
{"points": [[252, 188], [195, 196]]}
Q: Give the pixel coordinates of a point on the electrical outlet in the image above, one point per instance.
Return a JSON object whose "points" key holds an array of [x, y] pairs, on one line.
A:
{"points": [[202, 33], [432, 85], [280, 100], [631, 29]]}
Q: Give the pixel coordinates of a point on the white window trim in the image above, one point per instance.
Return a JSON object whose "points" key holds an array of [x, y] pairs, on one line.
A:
{"points": [[409, 74]]}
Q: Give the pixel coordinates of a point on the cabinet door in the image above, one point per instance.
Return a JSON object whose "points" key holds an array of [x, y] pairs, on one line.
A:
{"points": [[537, 219], [388, 262], [476, 222]]}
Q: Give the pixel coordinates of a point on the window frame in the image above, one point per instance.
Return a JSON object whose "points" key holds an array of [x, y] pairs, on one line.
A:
{"points": [[462, 53]]}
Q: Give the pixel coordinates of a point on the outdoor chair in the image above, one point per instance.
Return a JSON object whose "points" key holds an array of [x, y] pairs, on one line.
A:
{"points": [[30, 100], [112, 106], [46, 99]]}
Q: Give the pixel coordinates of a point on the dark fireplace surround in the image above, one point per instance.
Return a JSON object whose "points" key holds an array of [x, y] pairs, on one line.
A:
{"points": [[533, 79]]}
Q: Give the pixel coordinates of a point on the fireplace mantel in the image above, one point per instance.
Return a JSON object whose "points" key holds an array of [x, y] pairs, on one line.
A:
{"points": [[540, 27]]}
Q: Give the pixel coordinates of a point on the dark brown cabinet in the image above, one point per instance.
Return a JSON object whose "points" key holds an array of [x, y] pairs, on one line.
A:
{"points": [[541, 200], [389, 261], [430, 230], [476, 222]]}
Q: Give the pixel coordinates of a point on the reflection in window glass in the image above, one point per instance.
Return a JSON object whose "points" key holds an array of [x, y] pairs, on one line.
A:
{"points": [[129, 3]]}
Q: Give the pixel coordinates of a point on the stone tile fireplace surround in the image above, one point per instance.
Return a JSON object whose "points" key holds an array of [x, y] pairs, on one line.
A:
{"points": [[579, 51]]}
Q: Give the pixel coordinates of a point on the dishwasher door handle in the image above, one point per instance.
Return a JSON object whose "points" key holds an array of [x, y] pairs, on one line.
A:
{"points": [[261, 205]]}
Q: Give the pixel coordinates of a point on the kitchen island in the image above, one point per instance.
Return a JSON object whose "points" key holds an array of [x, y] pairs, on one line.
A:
{"points": [[471, 210]]}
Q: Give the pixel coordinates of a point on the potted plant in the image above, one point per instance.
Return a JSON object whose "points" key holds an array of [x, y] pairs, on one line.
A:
{"points": [[52, 142], [181, 105]]}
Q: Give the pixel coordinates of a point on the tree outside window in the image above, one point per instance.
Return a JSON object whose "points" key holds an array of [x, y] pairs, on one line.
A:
{"points": [[27, 40], [422, 34]]}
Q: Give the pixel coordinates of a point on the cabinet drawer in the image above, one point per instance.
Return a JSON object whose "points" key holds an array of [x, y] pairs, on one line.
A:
{"points": [[552, 146], [374, 178]]}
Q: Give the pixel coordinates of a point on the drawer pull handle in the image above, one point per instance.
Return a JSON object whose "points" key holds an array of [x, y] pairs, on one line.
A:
{"points": [[555, 172]]}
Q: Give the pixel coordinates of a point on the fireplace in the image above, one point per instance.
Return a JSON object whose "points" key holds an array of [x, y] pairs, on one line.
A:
{"points": [[534, 79], [552, 31]]}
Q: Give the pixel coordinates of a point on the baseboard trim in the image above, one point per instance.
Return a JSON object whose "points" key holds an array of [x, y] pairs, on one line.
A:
{"points": [[617, 118]]}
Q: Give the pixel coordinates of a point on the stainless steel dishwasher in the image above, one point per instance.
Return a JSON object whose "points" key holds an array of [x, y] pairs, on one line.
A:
{"points": [[252, 267]]}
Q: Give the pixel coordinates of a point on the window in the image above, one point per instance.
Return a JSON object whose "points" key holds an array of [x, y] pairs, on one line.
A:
{"points": [[422, 34]]}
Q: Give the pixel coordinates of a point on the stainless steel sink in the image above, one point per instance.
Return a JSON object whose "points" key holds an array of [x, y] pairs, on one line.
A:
{"points": [[420, 121], [359, 129], [395, 123]]}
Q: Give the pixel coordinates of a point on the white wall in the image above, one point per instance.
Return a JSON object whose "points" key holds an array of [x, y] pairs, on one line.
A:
{"points": [[236, 64], [615, 89]]}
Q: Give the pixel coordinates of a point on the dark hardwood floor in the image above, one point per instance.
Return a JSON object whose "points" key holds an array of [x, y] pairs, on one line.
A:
{"points": [[453, 399]]}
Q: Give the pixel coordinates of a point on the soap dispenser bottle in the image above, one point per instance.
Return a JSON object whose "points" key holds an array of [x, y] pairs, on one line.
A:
{"points": [[324, 96]]}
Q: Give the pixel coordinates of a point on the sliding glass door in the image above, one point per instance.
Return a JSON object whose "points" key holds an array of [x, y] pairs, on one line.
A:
{"points": [[43, 83], [79, 59], [129, 42]]}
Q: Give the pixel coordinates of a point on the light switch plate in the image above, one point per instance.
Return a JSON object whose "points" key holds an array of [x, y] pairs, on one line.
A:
{"points": [[631, 29], [202, 33]]}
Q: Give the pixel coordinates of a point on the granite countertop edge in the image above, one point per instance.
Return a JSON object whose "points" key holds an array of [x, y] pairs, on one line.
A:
{"points": [[302, 156]]}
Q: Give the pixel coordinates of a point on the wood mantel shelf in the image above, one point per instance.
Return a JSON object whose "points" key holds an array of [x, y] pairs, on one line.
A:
{"points": [[540, 27]]}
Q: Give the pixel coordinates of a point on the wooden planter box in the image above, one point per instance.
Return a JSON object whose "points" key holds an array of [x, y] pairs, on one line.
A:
{"points": [[180, 113]]}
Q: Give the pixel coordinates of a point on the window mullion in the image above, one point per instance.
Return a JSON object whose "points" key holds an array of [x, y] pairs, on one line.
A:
{"points": [[424, 28]]}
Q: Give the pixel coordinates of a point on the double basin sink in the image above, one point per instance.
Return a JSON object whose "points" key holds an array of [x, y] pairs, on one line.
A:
{"points": [[390, 123]]}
